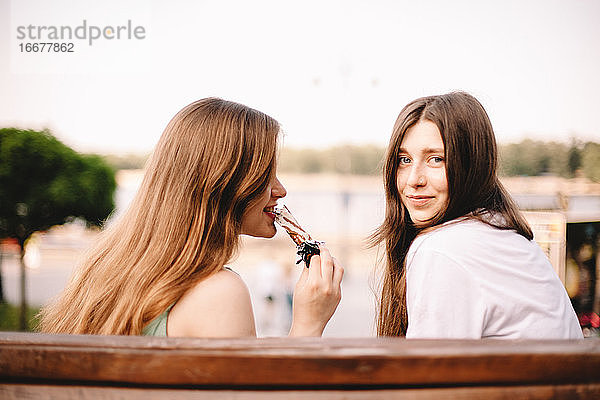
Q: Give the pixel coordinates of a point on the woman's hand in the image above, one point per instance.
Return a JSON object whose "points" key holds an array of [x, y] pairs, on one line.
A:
{"points": [[317, 295]]}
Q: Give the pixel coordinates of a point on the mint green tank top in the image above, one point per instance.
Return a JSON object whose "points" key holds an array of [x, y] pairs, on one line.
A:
{"points": [[158, 326]]}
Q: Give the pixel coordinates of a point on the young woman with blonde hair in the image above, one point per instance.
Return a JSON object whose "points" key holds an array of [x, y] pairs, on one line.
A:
{"points": [[460, 259], [159, 269]]}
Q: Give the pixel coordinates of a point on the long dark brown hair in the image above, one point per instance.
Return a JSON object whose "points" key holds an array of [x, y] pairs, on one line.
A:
{"points": [[473, 191]]}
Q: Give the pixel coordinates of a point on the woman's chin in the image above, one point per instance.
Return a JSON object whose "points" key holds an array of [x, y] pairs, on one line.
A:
{"points": [[266, 233], [271, 233]]}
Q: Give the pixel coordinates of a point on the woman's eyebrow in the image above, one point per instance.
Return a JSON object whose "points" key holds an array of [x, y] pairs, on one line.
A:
{"points": [[428, 150]]}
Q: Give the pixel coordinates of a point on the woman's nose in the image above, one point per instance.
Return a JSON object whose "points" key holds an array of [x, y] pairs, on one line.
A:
{"points": [[278, 190], [417, 177]]}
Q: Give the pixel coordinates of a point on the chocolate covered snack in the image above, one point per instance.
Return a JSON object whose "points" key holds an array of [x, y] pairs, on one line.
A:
{"points": [[306, 246]]}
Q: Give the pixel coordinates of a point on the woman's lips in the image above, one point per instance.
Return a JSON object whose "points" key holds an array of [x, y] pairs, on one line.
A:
{"points": [[419, 200], [270, 211]]}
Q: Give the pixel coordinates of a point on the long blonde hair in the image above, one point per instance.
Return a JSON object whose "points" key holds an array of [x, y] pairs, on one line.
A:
{"points": [[214, 159]]}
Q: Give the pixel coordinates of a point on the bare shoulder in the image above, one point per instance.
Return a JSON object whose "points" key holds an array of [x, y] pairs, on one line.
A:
{"points": [[217, 306], [224, 282]]}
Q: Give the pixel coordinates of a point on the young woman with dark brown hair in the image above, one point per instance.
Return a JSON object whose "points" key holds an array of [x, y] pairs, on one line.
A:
{"points": [[159, 269], [460, 259]]}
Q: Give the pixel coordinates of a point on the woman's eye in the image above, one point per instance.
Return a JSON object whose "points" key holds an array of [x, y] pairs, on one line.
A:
{"points": [[404, 160], [437, 160]]}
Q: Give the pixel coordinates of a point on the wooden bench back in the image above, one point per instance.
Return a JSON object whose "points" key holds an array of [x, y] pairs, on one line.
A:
{"points": [[73, 366]]}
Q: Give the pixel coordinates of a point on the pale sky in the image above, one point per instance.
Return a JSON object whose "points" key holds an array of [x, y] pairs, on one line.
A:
{"points": [[330, 72]]}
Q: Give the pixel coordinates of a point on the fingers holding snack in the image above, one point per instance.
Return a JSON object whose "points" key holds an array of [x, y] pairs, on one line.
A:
{"points": [[318, 291], [317, 295]]}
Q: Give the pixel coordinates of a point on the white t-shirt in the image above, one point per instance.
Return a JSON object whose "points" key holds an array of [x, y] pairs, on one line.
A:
{"points": [[470, 280]]}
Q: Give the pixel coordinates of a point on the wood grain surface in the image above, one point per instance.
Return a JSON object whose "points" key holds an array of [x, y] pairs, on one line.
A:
{"points": [[376, 363]]}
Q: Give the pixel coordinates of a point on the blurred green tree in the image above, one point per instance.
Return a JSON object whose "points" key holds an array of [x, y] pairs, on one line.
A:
{"points": [[45, 183], [558, 155], [533, 158], [590, 161], [527, 158], [359, 160], [574, 161]]}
